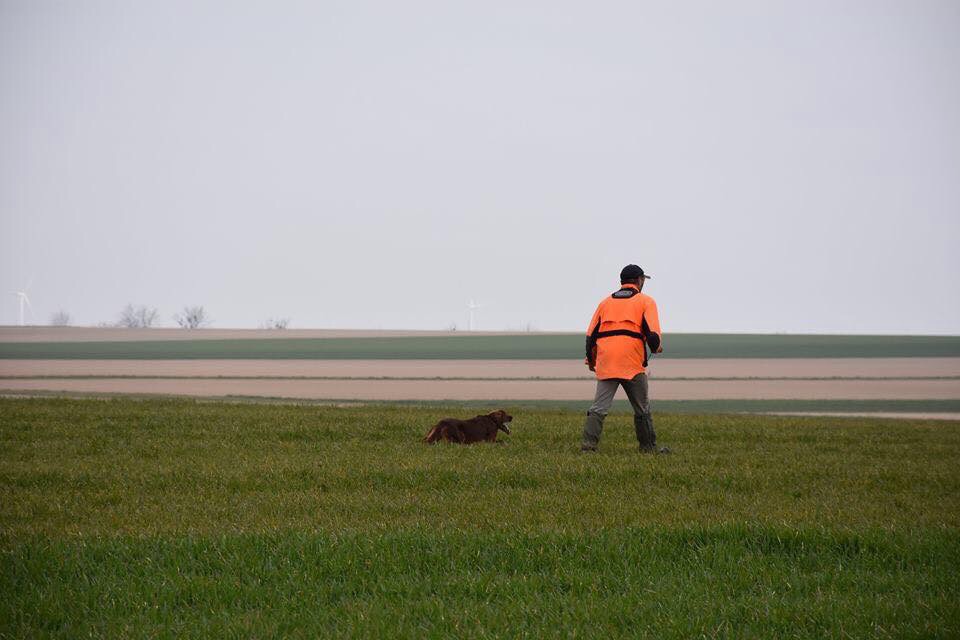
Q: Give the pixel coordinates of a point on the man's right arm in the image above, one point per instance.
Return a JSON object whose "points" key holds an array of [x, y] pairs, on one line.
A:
{"points": [[592, 330]]}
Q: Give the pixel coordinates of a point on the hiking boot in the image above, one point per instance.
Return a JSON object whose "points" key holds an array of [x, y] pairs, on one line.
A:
{"points": [[646, 436], [587, 449], [592, 428]]}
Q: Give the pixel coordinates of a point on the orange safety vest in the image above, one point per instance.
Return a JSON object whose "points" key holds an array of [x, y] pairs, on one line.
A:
{"points": [[622, 328]]}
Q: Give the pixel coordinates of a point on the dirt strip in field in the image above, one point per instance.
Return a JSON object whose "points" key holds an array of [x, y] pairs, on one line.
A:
{"points": [[688, 368], [504, 390]]}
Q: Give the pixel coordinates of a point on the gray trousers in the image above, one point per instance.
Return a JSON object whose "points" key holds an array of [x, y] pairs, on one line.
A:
{"points": [[636, 390]]}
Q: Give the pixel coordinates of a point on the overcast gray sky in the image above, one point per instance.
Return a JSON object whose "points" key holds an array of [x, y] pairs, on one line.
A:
{"points": [[777, 166]]}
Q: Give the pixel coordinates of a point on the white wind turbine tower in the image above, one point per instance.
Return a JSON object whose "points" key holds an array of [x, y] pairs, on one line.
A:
{"points": [[23, 298], [472, 306]]}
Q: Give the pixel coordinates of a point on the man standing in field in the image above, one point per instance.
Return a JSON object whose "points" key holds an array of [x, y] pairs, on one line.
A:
{"points": [[622, 328]]}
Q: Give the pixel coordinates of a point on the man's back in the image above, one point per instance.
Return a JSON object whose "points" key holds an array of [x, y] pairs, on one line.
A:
{"points": [[620, 330]]}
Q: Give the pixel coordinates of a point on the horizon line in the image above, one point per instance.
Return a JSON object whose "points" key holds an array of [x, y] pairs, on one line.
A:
{"points": [[475, 332]]}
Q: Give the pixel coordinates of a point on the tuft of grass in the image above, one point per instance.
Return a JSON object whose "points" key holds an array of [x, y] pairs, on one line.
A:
{"points": [[179, 518], [733, 582]]}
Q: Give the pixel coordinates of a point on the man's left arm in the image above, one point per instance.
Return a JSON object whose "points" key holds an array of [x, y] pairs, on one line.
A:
{"points": [[650, 326]]}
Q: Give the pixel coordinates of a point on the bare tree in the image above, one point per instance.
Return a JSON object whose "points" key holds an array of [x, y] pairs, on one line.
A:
{"points": [[275, 323], [141, 317], [192, 318], [60, 319]]}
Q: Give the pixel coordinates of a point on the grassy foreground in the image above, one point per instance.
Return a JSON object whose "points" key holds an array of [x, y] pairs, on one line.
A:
{"points": [[167, 518], [509, 347]]}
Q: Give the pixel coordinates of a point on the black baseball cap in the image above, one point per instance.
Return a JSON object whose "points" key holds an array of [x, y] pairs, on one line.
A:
{"points": [[632, 272]]}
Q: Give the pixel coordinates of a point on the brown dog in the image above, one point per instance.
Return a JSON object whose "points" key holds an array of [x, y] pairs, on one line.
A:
{"points": [[478, 429]]}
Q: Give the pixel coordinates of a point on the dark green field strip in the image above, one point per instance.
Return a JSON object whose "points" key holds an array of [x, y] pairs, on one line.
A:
{"points": [[727, 582], [535, 347], [468, 378]]}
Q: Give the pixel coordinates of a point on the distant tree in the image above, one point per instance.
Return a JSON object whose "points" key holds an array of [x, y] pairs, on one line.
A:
{"points": [[452, 326], [192, 318], [141, 317], [60, 319], [275, 323]]}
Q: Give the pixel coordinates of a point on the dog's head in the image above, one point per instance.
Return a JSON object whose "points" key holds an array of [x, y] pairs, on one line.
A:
{"points": [[502, 418]]}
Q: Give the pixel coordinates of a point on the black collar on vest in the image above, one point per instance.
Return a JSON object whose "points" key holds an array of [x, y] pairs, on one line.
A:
{"points": [[626, 291]]}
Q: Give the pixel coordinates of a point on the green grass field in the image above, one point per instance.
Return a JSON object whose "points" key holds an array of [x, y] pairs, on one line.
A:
{"points": [[175, 518], [536, 347]]}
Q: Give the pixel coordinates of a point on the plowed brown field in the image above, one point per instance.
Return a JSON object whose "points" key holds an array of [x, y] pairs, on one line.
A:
{"points": [[399, 389]]}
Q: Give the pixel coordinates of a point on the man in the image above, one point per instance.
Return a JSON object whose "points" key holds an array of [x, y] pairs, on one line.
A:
{"points": [[622, 328]]}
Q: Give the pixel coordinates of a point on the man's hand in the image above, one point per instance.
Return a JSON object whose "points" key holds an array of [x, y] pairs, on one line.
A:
{"points": [[589, 364]]}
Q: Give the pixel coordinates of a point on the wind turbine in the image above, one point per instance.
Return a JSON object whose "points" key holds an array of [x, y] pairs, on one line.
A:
{"points": [[24, 299], [472, 306]]}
